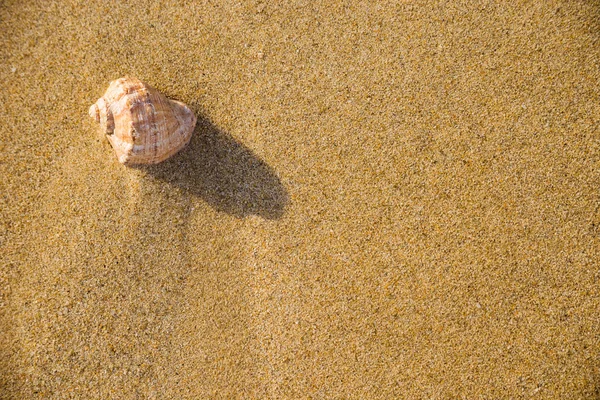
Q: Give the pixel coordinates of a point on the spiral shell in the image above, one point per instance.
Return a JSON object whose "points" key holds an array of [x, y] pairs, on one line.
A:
{"points": [[141, 124]]}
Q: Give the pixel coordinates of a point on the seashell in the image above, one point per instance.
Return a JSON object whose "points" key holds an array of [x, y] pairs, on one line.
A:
{"points": [[141, 124]]}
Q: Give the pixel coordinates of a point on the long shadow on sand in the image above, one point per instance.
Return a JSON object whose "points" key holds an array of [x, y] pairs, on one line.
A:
{"points": [[225, 173]]}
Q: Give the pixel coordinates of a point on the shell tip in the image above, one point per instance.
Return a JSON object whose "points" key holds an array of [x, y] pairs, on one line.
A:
{"points": [[94, 112]]}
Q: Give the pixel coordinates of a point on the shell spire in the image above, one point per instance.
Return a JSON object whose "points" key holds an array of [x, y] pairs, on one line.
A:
{"points": [[141, 124]]}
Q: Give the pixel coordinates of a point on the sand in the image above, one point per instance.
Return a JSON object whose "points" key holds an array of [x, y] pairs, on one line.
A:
{"points": [[380, 200]]}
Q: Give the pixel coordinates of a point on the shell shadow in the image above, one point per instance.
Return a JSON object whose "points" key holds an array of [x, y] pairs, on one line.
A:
{"points": [[225, 173]]}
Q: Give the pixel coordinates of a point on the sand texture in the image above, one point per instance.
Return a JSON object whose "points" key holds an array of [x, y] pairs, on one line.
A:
{"points": [[380, 200]]}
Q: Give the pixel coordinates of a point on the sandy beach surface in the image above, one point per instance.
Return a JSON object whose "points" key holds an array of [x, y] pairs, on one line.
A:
{"points": [[381, 200]]}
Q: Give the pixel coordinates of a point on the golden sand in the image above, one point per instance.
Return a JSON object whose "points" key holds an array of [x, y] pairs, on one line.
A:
{"points": [[380, 200]]}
